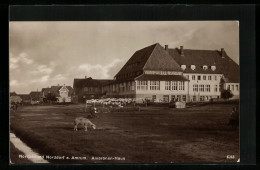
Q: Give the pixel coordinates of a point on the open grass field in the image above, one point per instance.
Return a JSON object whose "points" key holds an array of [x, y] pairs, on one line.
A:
{"points": [[154, 134]]}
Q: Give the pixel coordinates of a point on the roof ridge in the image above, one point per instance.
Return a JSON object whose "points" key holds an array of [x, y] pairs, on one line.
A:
{"points": [[150, 55]]}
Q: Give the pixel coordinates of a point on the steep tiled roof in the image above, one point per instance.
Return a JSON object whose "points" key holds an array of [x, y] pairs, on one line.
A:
{"points": [[153, 57], [209, 58], [89, 82], [13, 94], [35, 94], [55, 90], [145, 77], [24, 96]]}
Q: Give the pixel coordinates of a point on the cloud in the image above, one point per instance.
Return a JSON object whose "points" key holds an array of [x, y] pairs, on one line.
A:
{"points": [[98, 70], [41, 80], [59, 77], [13, 83], [43, 69], [23, 57]]}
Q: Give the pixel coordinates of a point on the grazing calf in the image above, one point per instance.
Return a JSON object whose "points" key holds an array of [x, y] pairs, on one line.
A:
{"points": [[83, 121]]}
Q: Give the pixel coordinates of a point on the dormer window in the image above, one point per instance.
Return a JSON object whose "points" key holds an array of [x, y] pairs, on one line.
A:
{"points": [[193, 67], [213, 68], [205, 67], [183, 67]]}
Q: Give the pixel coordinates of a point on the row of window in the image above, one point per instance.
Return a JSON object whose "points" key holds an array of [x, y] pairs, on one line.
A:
{"points": [[155, 85], [203, 88], [166, 98], [91, 89], [233, 87], [204, 77], [193, 67], [174, 85]]}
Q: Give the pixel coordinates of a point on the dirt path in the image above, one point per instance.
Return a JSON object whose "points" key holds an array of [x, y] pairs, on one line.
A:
{"points": [[28, 153]]}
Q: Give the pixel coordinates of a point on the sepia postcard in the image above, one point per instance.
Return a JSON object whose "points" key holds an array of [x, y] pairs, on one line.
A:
{"points": [[124, 92]]}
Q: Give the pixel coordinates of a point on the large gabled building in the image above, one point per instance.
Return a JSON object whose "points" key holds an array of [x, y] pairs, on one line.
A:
{"points": [[146, 75], [183, 74]]}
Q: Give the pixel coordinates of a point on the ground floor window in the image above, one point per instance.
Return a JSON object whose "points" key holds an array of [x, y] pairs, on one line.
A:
{"points": [[201, 98], [194, 98], [237, 87], [178, 97], [154, 97], [173, 98], [166, 98], [201, 87], [195, 87], [207, 88], [184, 98]]}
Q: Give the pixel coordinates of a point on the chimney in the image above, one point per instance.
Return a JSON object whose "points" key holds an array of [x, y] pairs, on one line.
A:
{"points": [[181, 51], [166, 47], [222, 52]]}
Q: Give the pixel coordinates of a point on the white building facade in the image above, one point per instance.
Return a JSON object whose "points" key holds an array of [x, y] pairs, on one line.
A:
{"points": [[164, 74]]}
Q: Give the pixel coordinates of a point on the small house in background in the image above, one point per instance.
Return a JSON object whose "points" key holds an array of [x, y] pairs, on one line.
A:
{"points": [[44, 93], [63, 93]]}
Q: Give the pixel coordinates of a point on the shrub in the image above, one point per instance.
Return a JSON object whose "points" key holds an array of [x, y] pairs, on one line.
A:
{"points": [[226, 94]]}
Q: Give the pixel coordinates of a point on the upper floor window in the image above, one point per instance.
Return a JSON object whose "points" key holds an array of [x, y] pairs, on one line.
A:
{"points": [[155, 85], [237, 87], [193, 67], [195, 87], [228, 87], [213, 68], [201, 87], [198, 77], [142, 85], [167, 85], [204, 78], [232, 88], [183, 67], [181, 85], [216, 88], [209, 77], [193, 77], [207, 88], [174, 85]]}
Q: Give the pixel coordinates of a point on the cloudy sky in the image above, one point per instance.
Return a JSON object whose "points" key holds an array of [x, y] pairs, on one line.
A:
{"points": [[43, 54]]}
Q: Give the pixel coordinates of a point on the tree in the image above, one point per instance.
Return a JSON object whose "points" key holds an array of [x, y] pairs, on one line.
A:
{"points": [[51, 97], [226, 94]]}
